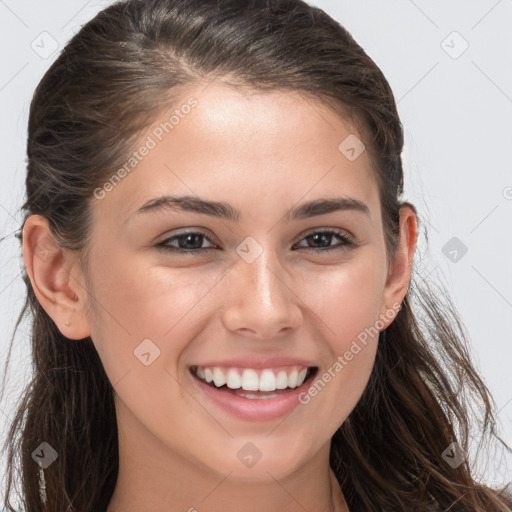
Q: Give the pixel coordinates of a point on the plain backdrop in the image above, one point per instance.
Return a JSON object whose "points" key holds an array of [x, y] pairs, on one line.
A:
{"points": [[450, 67]]}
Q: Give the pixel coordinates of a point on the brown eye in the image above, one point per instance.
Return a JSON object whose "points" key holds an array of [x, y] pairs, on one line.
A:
{"points": [[323, 239], [190, 242]]}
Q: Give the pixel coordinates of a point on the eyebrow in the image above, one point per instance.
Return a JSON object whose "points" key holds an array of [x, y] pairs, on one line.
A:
{"points": [[227, 212]]}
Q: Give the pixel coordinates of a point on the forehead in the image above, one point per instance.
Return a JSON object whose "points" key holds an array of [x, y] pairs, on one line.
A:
{"points": [[219, 140]]}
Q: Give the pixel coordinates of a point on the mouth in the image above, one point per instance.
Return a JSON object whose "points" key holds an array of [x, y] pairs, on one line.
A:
{"points": [[255, 384], [254, 395]]}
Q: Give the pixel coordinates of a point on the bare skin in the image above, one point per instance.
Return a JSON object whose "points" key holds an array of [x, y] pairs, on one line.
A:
{"points": [[263, 153]]}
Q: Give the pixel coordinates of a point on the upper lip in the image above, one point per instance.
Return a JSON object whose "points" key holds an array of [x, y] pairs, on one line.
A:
{"points": [[257, 362]]}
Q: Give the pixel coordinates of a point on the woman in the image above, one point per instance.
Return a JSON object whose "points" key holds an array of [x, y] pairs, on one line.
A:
{"points": [[283, 365]]}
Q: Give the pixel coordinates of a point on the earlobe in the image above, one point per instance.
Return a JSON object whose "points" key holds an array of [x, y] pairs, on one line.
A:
{"points": [[50, 270], [400, 268]]}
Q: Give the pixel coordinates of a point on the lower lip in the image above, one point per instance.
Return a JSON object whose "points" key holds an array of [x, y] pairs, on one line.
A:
{"points": [[260, 409]]}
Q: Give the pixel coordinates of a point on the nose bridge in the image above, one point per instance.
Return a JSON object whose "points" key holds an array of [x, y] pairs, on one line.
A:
{"points": [[264, 284], [263, 278], [261, 301]]}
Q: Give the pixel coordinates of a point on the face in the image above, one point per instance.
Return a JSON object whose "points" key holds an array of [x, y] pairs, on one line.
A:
{"points": [[258, 282]]}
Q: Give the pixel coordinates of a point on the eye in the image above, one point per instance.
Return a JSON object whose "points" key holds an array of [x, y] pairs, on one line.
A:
{"points": [[186, 243], [192, 242], [324, 238]]}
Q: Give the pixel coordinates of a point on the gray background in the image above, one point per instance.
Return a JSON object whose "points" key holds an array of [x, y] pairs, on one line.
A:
{"points": [[450, 67]]}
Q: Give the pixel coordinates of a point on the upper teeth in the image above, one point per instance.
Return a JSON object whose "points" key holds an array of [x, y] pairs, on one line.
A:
{"points": [[250, 380]]}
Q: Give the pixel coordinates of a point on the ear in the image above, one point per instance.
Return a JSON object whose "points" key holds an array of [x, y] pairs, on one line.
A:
{"points": [[400, 267], [56, 278]]}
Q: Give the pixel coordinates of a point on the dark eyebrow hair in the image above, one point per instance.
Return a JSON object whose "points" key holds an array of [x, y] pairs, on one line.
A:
{"points": [[227, 212]]}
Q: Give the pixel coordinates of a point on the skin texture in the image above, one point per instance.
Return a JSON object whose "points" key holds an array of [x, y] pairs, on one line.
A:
{"points": [[263, 153]]}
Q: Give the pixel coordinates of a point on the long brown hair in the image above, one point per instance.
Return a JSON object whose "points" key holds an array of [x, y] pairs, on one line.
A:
{"points": [[110, 83]]}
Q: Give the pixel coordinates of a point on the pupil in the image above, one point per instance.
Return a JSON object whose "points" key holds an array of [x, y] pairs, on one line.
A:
{"points": [[325, 236], [186, 238]]}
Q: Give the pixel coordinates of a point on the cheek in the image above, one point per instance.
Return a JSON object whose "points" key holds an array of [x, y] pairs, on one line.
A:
{"points": [[347, 298], [142, 314], [347, 302]]}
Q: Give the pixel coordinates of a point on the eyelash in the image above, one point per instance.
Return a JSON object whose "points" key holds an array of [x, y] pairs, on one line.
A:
{"points": [[346, 240]]}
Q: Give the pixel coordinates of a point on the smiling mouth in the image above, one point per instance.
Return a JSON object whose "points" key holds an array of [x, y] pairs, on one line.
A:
{"points": [[240, 390]]}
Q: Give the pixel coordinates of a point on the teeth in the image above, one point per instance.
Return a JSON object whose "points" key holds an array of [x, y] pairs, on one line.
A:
{"points": [[292, 379], [255, 396], [302, 376], [233, 380], [267, 381], [208, 374], [282, 380], [249, 379], [218, 377]]}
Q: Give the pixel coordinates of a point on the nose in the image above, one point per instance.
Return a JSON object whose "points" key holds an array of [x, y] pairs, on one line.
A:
{"points": [[260, 301]]}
